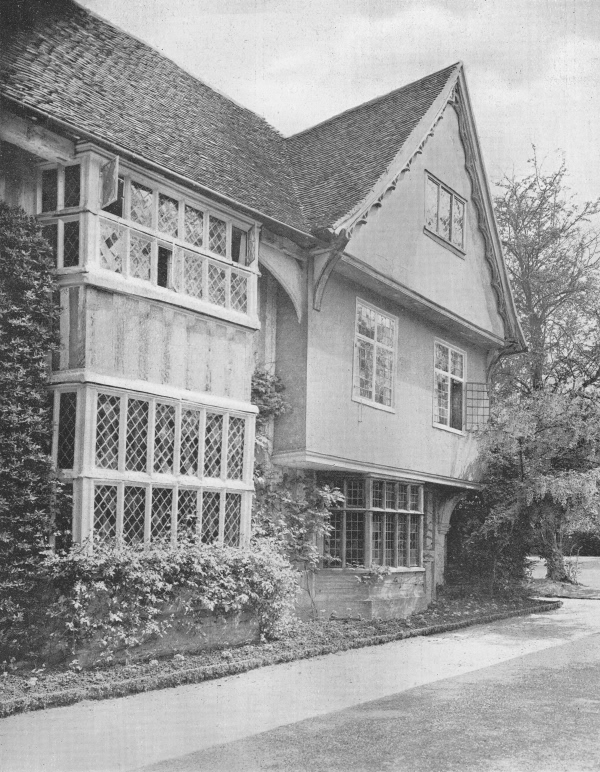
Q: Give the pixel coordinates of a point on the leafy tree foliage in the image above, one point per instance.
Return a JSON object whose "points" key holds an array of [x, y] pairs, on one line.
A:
{"points": [[28, 334], [552, 257], [542, 465]]}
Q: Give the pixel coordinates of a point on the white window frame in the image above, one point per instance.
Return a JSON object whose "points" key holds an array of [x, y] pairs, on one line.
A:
{"points": [[356, 395], [175, 480], [458, 249], [450, 377], [178, 244]]}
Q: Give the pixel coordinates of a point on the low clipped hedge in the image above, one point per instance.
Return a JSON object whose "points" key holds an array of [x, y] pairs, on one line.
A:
{"points": [[122, 597]]}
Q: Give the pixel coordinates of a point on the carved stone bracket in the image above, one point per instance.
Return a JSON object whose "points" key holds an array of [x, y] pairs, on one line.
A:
{"points": [[324, 261]]}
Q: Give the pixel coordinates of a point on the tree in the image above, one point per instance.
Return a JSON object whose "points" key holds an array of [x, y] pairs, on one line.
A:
{"points": [[552, 258], [28, 335], [542, 465]]}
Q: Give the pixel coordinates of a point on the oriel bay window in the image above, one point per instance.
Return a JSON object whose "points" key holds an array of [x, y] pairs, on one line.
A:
{"points": [[167, 470], [167, 241], [380, 523]]}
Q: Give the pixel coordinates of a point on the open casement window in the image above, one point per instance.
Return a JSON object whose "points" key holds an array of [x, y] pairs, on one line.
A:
{"points": [[374, 355], [177, 470], [449, 378], [444, 213], [172, 243], [380, 523]]}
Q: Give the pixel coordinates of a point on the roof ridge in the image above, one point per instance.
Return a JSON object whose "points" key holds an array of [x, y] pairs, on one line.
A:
{"points": [[374, 100]]}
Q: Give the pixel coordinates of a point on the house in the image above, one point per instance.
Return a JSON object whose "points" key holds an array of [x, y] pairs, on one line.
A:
{"points": [[359, 260]]}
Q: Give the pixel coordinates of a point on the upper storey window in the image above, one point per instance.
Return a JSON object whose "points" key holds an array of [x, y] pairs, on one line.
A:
{"points": [[169, 242], [449, 379], [374, 353], [59, 190], [444, 213]]}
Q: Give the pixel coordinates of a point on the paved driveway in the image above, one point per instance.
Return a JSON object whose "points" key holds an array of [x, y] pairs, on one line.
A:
{"points": [[434, 701]]}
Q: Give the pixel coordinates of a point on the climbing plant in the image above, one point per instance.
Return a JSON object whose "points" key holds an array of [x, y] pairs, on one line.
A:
{"points": [[28, 335]]}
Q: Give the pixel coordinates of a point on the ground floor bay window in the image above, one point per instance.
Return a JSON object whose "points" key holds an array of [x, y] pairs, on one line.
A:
{"points": [[380, 523], [147, 468]]}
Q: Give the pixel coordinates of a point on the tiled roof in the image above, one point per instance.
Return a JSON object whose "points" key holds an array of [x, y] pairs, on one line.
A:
{"points": [[81, 70], [338, 162]]}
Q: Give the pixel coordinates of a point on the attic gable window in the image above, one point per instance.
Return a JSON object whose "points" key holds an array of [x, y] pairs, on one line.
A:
{"points": [[374, 355], [444, 213]]}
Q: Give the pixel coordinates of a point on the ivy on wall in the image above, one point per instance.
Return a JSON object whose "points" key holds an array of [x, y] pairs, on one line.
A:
{"points": [[28, 335]]}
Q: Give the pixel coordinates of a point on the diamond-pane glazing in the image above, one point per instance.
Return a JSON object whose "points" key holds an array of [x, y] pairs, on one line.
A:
{"points": [[239, 292], [187, 513], [112, 246], [134, 514], [213, 443], [67, 422], [216, 284], [105, 512], [217, 235], [107, 431], [233, 515], [192, 274], [141, 204], [162, 504], [194, 226], [136, 448], [333, 540], [140, 256], [211, 501], [402, 540], [72, 185], [164, 438], [235, 448], [71, 244], [190, 441], [168, 214]]}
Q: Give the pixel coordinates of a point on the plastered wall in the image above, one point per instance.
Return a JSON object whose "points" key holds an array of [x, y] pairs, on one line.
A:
{"points": [[393, 241]]}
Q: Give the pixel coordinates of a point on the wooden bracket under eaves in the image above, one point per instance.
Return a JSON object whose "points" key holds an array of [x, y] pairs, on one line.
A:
{"points": [[324, 261]]}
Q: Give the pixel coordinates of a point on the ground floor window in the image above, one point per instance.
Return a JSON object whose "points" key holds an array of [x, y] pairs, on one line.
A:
{"points": [[142, 514], [380, 523]]}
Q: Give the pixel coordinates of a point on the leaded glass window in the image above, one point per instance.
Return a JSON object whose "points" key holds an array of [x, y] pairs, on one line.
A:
{"points": [[107, 431], [168, 214], [134, 514], [112, 246], [162, 505], [375, 340], [164, 438], [391, 512], [105, 512], [211, 505], [448, 386], [213, 444], [217, 235], [194, 226], [235, 448], [233, 513], [140, 256], [444, 212], [72, 185], [142, 199], [67, 426]]}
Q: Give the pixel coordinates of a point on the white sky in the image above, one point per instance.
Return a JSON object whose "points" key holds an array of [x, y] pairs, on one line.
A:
{"points": [[533, 66]]}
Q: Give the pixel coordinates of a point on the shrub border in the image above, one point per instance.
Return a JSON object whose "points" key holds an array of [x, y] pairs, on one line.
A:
{"points": [[196, 675]]}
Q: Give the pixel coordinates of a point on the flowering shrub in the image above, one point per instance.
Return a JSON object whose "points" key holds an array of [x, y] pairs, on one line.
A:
{"points": [[125, 596]]}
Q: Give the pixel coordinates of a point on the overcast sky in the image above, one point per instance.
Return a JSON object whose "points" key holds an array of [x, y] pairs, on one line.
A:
{"points": [[532, 66]]}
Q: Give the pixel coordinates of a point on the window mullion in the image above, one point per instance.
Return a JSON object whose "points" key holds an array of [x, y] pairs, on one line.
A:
{"points": [[122, 432], [343, 539]]}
